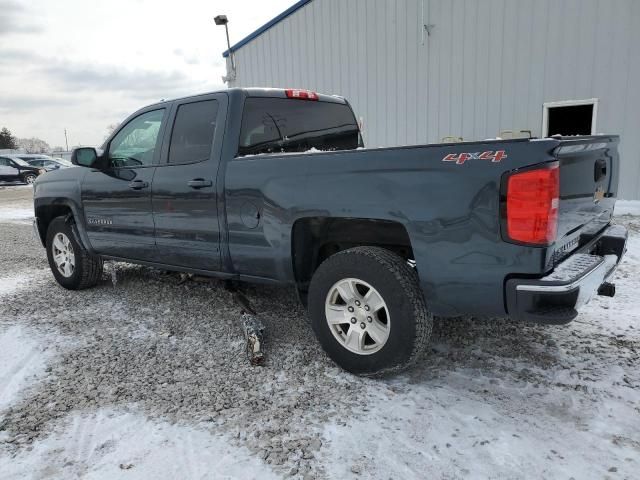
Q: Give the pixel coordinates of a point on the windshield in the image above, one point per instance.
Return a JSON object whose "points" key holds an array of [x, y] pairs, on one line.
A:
{"points": [[20, 162]]}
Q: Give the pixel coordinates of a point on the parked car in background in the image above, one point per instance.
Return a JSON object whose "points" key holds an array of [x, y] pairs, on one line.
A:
{"points": [[28, 157], [13, 169], [50, 163]]}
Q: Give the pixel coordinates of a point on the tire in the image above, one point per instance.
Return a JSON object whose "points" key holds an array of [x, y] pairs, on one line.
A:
{"points": [[404, 319], [29, 178], [85, 270]]}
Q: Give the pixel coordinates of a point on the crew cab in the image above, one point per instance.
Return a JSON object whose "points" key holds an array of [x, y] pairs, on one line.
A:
{"points": [[274, 186]]}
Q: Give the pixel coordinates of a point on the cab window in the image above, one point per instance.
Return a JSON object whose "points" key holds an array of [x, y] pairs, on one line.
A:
{"points": [[193, 131], [136, 144], [274, 125]]}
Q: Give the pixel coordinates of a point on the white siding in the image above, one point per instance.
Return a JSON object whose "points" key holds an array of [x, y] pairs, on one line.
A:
{"points": [[488, 65]]}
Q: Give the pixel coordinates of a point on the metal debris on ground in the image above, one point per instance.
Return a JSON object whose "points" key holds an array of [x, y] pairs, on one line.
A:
{"points": [[254, 334], [111, 270], [252, 326]]}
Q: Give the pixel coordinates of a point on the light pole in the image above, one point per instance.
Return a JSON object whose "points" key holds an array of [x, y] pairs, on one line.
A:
{"points": [[223, 20], [66, 141]]}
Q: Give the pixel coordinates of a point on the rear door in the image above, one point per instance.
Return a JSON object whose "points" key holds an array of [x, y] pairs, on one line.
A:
{"points": [[277, 125], [185, 195], [117, 199]]}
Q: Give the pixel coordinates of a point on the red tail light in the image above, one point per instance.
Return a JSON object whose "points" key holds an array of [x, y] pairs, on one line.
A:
{"points": [[532, 205], [301, 94]]}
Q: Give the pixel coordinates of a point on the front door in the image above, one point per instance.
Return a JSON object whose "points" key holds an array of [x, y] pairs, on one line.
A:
{"points": [[117, 198], [8, 170], [185, 207]]}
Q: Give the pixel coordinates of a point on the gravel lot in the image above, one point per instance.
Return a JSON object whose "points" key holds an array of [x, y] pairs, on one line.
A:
{"points": [[84, 373]]}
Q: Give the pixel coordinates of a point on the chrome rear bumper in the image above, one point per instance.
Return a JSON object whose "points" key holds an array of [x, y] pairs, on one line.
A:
{"points": [[556, 297]]}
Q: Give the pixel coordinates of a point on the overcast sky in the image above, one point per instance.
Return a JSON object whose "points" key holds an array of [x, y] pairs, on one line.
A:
{"points": [[83, 65]]}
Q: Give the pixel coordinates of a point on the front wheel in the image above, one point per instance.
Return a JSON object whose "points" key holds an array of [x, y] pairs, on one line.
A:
{"points": [[29, 178], [368, 312], [72, 266]]}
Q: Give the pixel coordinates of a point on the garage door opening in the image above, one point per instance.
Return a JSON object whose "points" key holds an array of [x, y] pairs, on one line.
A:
{"points": [[572, 117]]}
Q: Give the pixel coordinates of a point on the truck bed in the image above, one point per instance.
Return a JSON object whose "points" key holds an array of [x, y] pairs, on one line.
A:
{"points": [[448, 197]]}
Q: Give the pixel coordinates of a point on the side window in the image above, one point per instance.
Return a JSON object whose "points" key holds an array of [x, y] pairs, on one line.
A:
{"points": [[273, 125], [193, 131], [136, 143], [4, 162]]}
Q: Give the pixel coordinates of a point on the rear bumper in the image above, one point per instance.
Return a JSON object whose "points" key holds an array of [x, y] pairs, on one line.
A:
{"points": [[556, 298]]}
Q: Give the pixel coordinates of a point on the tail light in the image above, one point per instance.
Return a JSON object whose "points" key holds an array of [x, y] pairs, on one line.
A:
{"points": [[533, 198], [301, 94]]}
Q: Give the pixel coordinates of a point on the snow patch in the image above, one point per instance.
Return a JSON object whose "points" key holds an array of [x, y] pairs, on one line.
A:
{"points": [[627, 207], [23, 360], [14, 185], [16, 215], [109, 444], [12, 283], [491, 430]]}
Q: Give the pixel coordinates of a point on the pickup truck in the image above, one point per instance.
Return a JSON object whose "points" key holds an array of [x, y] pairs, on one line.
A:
{"points": [[274, 186]]}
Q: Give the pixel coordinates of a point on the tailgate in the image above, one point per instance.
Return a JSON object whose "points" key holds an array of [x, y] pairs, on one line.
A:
{"points": [[588, 188]]}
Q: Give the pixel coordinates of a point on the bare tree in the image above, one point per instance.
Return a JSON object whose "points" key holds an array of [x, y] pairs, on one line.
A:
{"points": [[34, 145], [110, 129]]}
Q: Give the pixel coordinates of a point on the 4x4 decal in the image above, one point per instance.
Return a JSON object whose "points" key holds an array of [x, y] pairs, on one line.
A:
{"points": [[460, 158]]}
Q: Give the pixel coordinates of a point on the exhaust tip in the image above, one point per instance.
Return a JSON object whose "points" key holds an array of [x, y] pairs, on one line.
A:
{"points": [[607, 289]]}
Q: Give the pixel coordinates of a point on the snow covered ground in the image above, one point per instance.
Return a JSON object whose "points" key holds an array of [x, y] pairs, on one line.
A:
{"points": [[105, 444], [16, 215], [147, 379], [627, 207]]}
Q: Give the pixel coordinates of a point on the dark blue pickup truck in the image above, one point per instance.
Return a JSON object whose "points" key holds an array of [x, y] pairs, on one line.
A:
{"points": [[274, 185]]}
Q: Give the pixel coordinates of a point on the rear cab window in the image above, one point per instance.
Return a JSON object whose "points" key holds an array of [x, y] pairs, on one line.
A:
{"points": [[282, 125]]}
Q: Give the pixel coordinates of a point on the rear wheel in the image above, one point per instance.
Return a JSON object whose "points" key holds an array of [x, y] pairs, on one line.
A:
{"points": [[368, 312], [72, 266], [29, 178]]}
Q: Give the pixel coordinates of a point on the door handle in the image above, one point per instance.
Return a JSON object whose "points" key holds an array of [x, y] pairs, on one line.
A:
{"points": [[199, 183], [138, 184]]}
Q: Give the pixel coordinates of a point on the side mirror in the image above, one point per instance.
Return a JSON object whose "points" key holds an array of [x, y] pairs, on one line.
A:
{"points": [[85, 156]]}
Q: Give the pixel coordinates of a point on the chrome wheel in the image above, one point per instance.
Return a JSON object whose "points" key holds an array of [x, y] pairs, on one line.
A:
{"points": [[63, 255], [358, 316], [29, 179]]}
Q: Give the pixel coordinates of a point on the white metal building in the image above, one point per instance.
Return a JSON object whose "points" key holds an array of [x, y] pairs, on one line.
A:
{"points": [[417, 71]]}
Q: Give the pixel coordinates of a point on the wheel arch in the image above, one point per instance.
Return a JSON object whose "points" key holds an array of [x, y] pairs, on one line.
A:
{"points": [[45, 212], [314, 239]]}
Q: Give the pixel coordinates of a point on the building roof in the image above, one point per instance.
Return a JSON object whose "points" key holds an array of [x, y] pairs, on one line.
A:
{"points": [[292, 9]]}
